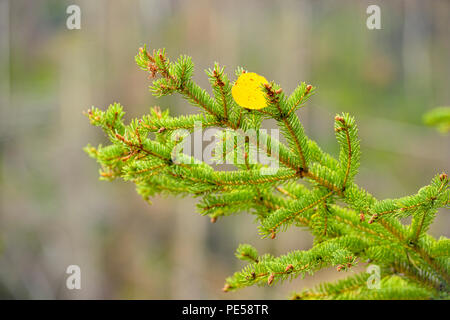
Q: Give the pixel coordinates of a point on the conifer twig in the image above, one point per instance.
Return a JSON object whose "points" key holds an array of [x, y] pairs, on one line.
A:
{"points": [[310, 189]]}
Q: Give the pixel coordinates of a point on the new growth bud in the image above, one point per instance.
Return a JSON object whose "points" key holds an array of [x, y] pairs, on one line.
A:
{"points": [[270, 279], [289, 267], [340, 119]]}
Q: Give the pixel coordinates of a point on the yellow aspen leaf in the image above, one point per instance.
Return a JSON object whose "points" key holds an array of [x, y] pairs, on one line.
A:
{"points": [[247, 91]]}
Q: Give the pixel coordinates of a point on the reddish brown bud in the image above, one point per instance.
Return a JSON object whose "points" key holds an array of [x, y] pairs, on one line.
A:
{"points": [[273, 235], [443, 176], [213, 220], [308, 88], [162, 129], [270, 279], [226, 287], [289, 268], [340, 119], [279, 91]]}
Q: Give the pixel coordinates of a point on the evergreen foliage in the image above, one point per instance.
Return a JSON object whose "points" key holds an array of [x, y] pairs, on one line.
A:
{"points": [[311, 189]]}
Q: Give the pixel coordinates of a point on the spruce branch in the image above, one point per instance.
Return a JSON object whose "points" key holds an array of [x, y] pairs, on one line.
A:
{"points": [[288, 121], [310, 189]]}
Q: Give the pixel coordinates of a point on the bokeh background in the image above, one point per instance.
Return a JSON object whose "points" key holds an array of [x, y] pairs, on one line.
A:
{"points": [[54, 211]]}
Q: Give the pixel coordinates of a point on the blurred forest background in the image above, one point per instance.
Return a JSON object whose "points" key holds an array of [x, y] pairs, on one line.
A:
{"points": [[54, 211]]}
